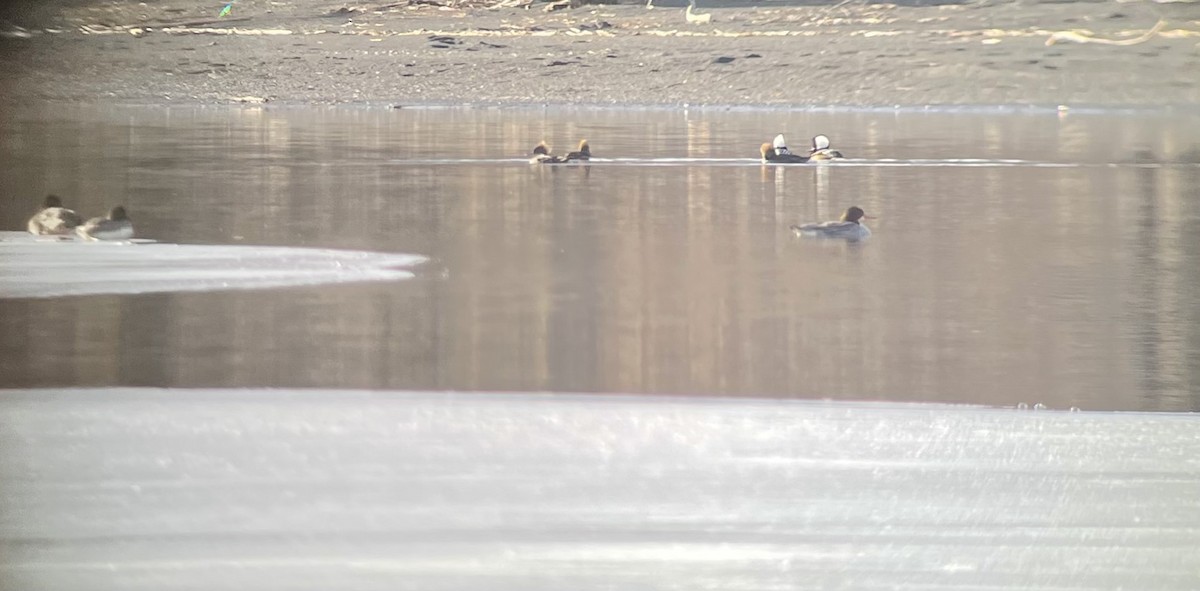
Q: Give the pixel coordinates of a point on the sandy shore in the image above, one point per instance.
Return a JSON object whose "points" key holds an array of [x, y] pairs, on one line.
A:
{"points": [[404, 53]]}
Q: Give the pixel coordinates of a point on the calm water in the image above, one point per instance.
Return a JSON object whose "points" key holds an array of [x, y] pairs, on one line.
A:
{"points": [[1058, 265]]}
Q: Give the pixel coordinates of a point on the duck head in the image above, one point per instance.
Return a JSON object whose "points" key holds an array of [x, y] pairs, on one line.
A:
{"points": [[52, 201], [853, 214], [541, 149], [584, 148], [779, 143], [766, 150], [117, 213], [820, 142]]}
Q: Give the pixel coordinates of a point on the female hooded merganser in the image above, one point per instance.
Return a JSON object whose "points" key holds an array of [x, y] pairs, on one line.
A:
{"points": [[777, 151], [542, 155], [821, 151], [848, 227], [53, 219], [584, 152], [114, 227]]}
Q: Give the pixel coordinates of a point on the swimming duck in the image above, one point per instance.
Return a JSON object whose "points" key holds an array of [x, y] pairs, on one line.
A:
{"points": [[821, 151], [116, 226], [53, 219], [777, 151], [584, 152], [780, 145], [542, 155], [847, 228]]}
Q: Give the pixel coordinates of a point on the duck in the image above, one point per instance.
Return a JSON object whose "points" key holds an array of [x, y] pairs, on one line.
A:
{"points": [[777, 151], [848, 227], [117, 226], [821, 150], [542, 155], [780, 145], [53, 219], [583, 153]]}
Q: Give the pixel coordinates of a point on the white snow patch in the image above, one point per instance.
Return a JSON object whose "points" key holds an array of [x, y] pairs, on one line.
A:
{"points": [[32, 267]]}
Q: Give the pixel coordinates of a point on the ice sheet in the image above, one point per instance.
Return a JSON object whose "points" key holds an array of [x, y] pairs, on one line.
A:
{"points": [[46, 267], [283, 489]]}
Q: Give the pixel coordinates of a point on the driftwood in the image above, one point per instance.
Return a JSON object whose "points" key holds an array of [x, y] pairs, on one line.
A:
{"points": [[696, 19], [551, 5], [199, 23], [1082, 36]]}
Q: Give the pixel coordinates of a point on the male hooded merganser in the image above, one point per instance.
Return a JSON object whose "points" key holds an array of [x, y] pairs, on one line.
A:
{"points": [[584, 152], [821, 151], [114, 227], [542, 155], [848, 227], [53, 219], [780, 145], [777, 151]]}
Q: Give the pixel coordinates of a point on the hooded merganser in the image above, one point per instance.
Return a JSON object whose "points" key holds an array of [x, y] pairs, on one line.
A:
{"points": [[777, 151], [53, 219], [584, 152], [821, 151], [848, 227], [542, 155], [116, 226]]}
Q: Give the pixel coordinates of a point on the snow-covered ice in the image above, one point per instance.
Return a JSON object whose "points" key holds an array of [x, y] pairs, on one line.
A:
{"points": [[45, 267], [315, 489]]}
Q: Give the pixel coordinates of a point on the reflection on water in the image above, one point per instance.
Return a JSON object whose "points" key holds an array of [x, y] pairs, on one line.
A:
{"points": [[1070, 285]]}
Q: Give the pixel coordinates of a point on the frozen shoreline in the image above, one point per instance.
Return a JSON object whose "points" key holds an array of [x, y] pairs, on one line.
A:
{"points": [[32, 267], [296, 489]]}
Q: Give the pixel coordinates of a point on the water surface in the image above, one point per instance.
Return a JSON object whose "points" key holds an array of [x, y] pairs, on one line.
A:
{"points": [[1016, 258]]}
